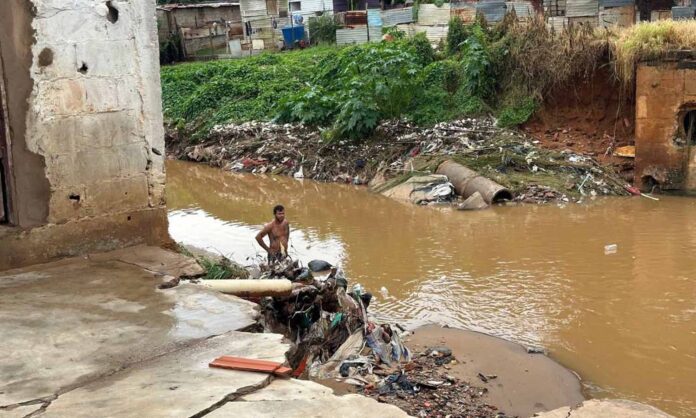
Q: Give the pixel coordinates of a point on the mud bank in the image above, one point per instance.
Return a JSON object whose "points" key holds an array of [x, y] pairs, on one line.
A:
{"points": [[399, 151], [514, 380]]}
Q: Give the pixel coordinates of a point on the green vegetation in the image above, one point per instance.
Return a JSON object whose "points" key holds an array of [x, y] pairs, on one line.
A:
{"points": [[322, 30], [507, 70], [650, 41], [223, 269], [201, 95]]}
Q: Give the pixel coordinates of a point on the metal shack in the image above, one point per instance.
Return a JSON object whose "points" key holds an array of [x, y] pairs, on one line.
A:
{"points": [[203, 27], [666, 123]]}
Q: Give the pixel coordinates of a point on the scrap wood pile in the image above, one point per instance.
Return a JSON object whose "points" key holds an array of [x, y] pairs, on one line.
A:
{"points": [[399, 150]]}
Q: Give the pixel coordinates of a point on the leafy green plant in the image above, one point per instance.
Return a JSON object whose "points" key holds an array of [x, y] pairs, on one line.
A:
{"points": [[517, 112], [222, 270], [394, 32], [322, 29], [422, 48], [456, 35], [478, 78]]}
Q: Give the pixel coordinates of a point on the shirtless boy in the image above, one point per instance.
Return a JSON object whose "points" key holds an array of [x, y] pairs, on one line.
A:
{"points": [[278, 231]]}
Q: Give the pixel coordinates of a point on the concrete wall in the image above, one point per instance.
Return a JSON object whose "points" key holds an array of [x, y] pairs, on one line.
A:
{"points": [[85, 127], [664, 92]]}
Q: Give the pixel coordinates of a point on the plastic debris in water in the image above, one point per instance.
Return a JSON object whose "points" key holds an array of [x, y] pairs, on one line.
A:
{"points": [[610, 249]]}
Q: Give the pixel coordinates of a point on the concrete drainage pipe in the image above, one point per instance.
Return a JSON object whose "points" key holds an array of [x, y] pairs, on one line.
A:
{"points": [[466, 182]]}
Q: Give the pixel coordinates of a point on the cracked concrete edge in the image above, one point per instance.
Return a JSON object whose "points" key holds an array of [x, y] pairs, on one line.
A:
{"points": [[236, 395], [606, 408], [46, 401]]}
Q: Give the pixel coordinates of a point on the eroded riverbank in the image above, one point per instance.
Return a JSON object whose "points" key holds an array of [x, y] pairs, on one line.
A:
{"points": [[622, 321]]}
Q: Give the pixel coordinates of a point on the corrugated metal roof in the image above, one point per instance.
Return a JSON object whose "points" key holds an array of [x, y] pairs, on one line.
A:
{"points": [[374, 17], [555, 7], [557, 23], [433, 33], [617, 16], [316, 5], [375, 33], [347, 36], [683, 12], [430, 14], [397, 16], [493, 10], [616, 3], [195, 6], [591, 21], [523, 9], [580, 8]]}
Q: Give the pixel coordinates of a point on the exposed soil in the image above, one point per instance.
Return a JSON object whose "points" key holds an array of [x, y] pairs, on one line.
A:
{"points": [[591, 118]]}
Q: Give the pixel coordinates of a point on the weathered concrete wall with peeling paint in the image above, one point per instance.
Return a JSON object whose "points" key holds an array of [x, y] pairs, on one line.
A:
{"points": [[665, 90], [85, 127]]}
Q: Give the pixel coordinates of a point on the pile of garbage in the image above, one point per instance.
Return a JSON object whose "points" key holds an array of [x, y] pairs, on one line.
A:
{"points": [[399, 151], [328, 323], [426, 388]]}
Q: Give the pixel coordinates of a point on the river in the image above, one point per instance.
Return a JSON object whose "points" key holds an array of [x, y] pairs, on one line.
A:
{"points": [[536, 275]]}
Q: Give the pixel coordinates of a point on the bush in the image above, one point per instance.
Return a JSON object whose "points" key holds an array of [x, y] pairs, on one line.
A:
{"points": [[479, 78], [456, 35], [322, 29], [423, 49], [394, 32], [517, 112]]}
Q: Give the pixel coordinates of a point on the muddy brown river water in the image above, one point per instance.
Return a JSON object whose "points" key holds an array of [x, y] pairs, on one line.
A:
{"points": [[536, 275]]}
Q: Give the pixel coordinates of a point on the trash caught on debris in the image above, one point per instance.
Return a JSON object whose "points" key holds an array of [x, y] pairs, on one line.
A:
{"points": [[400, 151], [610, 249]]}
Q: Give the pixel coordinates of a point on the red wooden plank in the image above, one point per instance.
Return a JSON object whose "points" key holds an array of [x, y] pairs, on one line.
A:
{"points": [[251, 365]]}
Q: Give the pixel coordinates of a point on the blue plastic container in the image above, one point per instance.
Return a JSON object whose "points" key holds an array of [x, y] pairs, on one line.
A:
{"points": [[292, 34]]}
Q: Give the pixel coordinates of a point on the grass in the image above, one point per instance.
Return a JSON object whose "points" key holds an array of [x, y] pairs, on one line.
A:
{"points": [[222, 270], [650, 40]]}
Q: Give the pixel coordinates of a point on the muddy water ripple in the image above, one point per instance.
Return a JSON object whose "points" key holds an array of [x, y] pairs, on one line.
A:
{"points": [[626, 322]]}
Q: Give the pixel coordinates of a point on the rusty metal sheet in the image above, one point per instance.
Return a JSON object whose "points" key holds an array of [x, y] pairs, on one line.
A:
{"points": [[466, 14], [582, 8], [430, 14]]}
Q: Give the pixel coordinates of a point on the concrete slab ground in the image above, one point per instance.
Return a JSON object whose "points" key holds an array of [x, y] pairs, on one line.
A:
{"points": [[66, 323], [607, 408], [95, 337], [301, 398]]}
